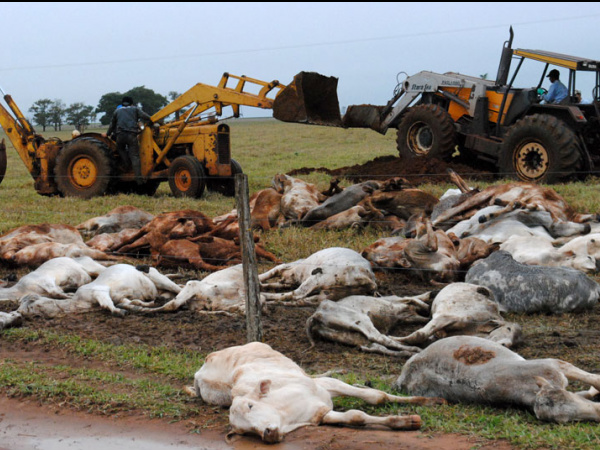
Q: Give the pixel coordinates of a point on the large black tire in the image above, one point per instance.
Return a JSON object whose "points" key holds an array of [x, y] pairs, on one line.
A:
{"points": [[83, 169], [426, 131], [2, 160], [225, 185], [187, 177], [149, 188], [539, 149]]}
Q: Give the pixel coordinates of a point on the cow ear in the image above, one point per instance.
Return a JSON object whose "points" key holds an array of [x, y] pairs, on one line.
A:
{"points": [[541, 382], [232, 436], [264, 388]]}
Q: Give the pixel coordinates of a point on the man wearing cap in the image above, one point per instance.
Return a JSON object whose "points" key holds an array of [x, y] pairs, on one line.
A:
{"points": [[558, 91], [125, 124]]}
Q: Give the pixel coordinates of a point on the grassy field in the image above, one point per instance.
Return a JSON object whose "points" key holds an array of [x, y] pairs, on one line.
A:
{"points": [[263, 148]]}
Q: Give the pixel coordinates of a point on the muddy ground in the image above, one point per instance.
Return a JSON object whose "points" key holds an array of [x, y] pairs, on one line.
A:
{"points": [[573, 337]]}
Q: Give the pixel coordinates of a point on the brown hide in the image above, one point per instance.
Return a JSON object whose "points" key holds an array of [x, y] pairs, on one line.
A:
{"points": [[403, 204], [21, 237]]}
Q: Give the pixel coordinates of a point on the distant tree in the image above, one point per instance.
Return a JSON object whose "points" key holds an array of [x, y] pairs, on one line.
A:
{"points": [[41, 112], [172, 96], [79, 115], [149, 101], [57, 113], [107, 105]]}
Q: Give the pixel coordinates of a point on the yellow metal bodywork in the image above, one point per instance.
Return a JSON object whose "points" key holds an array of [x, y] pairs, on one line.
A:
{"points": [[201, 135], [37, 154]]}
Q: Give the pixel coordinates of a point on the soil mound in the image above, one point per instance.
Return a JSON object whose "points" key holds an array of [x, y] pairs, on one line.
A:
{"points": [[416, 171]]}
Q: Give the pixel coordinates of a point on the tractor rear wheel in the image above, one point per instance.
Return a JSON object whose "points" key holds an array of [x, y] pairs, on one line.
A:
{"points": [[225, 185], [187, 177], [426, 131], [83, 169], [539, 149]]}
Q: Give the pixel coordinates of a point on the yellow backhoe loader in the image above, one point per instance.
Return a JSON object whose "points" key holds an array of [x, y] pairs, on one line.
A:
{"points": [[190, 153]]}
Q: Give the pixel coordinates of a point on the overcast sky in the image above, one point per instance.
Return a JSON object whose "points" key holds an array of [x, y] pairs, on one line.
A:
{"points": [[77, 52]]}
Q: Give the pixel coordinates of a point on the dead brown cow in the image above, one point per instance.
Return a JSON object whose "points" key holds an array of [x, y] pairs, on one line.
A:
{"points": [[19, 238], [168, 226], [529, 196]]}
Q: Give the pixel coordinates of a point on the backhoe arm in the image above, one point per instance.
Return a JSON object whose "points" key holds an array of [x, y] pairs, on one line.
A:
{"points": [[19, 131], [220, 96]]}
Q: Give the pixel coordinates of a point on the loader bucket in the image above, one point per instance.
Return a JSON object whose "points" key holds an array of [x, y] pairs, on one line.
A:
{"points": [[2, 160], [311, 98], [363, 116]]}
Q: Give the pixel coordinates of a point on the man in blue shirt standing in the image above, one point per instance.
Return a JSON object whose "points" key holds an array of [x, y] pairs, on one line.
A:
{"points": [[558, 91]]}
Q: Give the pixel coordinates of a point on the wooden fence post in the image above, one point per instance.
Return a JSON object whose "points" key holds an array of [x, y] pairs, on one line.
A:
{"points": [[253, 313]]}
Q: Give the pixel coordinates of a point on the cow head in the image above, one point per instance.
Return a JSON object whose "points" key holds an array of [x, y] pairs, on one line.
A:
{"points": [[254, 414], [556, 404], [508, 334]]}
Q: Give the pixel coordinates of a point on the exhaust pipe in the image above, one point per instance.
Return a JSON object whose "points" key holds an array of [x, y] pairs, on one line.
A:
{"points": [[2, 160], [311, 98]]}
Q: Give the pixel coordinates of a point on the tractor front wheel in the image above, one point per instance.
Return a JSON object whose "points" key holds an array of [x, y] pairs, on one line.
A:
{"points": [[187, 177], [426, 131]]}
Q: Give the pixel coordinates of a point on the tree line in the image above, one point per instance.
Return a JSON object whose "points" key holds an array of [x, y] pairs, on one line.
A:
{"points": [[54, 113]]}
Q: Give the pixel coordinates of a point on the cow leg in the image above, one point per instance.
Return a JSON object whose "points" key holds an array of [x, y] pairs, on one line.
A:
{"points": [[381, 350], [338, 388], [575, 373], [310, 285], [347, 320], [105, 301], [356, 418], [422, 335], [173, 305], [135, 302], [274, 272], [475, 201]]}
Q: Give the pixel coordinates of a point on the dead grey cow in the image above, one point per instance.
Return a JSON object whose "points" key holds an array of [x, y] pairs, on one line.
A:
{"points": [[466, 309], [332, 273], [468, 369], [116, 220], [366, 322], [339, 202], [522, 288]]}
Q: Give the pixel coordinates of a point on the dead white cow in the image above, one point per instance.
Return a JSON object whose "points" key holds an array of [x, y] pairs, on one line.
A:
{"points": [[332, 273], [54, 278], [220, 292], [365, 322], [115, 288], [466, 309], [269, 395], [468, 369], [539, 251]]}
